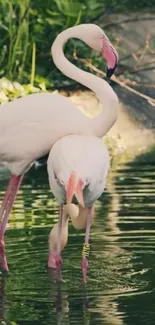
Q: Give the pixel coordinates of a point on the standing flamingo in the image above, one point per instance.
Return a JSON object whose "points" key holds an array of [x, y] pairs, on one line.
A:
{"points": [[29, 126], [77, 165]]}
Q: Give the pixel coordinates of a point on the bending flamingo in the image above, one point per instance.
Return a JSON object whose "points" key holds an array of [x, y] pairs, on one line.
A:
{"points": [[77, 166], [29, 126]]}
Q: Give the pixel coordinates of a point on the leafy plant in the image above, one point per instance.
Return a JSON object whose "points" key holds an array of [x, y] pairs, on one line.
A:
{"points": [[28, 28], [11, 90]]}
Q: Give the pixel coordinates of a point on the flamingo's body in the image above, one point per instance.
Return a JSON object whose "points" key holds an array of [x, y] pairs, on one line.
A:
{"points": [[30, 126], [88, 157], [77, 166]]}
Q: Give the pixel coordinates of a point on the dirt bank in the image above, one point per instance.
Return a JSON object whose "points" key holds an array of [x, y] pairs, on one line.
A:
{"points": [[128, 134]]}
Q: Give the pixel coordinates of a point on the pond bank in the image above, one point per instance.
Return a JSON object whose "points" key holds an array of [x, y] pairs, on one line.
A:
{"points": [[128, 137]]}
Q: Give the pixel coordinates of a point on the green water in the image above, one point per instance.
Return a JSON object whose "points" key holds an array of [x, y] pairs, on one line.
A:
{"points": [[121, 279]]}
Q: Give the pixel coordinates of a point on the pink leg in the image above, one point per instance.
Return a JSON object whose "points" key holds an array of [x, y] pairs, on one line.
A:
{"points": [[5, 210], [86, 246], [6, 197], [55, 260]]}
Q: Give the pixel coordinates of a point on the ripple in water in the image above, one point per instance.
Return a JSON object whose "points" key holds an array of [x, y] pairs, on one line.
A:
{"points": [[120, 288]]}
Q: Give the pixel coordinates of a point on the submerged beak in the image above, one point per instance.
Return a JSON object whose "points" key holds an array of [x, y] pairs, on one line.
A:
{"points": [[74, 187]]}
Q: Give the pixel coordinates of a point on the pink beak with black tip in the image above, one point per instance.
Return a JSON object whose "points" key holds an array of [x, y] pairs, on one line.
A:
{"points": [[110, 55], [74, 187]]}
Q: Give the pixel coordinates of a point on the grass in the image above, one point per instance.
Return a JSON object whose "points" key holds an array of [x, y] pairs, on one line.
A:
{"points": [[15, 35], [33, 64]]}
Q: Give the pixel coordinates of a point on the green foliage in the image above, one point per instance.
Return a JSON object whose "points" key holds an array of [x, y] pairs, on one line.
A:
{"points": [[29, 27], [11, 90], [148, 157]]}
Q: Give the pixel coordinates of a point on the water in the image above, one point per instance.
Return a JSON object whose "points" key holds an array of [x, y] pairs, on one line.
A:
{"points": [[121, 280]]}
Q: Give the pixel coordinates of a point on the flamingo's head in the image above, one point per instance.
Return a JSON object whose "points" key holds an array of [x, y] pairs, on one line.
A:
{"points": [[95, 37]]}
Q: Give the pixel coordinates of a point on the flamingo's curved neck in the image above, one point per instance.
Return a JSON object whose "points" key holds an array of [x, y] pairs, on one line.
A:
{"points": [[99, 125]]}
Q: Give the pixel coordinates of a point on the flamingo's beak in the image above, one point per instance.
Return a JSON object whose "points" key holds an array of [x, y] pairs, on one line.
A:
{"points": [[110, 72], [110, 55], [74, 187]]}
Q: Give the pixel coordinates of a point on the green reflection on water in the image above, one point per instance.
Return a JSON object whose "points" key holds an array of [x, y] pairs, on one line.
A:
{"points": [[121, 266]]}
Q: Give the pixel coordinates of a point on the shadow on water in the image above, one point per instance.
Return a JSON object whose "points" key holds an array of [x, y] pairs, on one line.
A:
{"points": [[121, 279]]}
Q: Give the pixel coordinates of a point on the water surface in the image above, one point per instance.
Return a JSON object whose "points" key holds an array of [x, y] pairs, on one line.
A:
{"points": [[121, 279]]}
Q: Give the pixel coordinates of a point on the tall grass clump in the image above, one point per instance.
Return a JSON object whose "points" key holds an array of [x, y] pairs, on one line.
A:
{"points": [[28, 28]]}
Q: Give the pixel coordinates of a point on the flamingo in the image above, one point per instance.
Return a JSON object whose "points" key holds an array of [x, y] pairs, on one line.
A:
{"points": [[77, 166], [29, 126]]}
